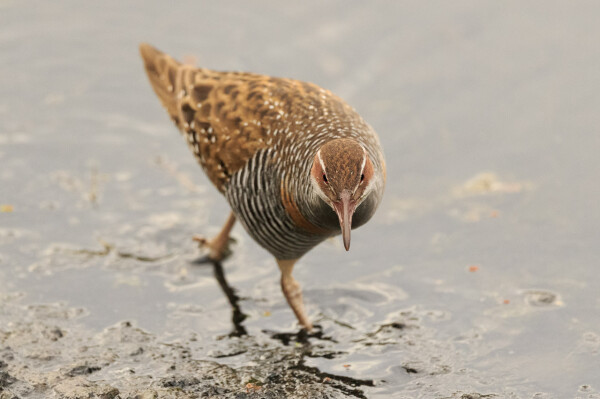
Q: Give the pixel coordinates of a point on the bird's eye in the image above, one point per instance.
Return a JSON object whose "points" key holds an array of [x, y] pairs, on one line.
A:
{"points": [[324, 178], [362, 177]]}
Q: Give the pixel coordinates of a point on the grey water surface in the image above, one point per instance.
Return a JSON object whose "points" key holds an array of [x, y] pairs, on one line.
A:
{"points": [[477, 278]]}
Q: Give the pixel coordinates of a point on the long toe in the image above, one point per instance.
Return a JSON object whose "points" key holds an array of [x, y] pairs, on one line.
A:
{"points": [[218, 249]]}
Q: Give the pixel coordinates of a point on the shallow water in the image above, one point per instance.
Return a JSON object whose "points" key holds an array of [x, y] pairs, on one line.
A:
{"points": [[477, 276]]}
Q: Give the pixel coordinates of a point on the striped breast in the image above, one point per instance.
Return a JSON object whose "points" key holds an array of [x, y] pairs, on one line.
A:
{"points": [[255, 195]]}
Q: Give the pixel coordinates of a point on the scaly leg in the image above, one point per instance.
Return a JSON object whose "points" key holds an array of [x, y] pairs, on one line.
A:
{"points": [[292, 291], [218, 246]]}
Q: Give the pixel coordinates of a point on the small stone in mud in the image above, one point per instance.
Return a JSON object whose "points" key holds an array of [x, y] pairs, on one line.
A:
{"points": [[53, 334], [8, 395], [137, 352], [396, 325], [78, 387], [146, 395], [179, 382], [214, 391], [82, 370], [251, 387], [542, 298], [410, 370], [6, 379], [274, 378]]}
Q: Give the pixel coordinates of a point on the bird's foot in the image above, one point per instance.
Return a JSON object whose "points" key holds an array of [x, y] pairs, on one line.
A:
{"points": [[218, 248], [293, 293]]}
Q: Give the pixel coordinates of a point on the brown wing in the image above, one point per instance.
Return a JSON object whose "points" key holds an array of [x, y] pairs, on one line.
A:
{"points": [[228, 116], [218, 112]]}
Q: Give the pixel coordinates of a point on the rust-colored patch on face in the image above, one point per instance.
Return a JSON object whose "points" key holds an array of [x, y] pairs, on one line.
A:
{"points": [[292, 209], [367, 174]]}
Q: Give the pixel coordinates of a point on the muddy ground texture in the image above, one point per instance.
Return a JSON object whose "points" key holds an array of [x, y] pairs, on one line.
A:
{"points": [[53, 350], [47, 353], [124, 361]]}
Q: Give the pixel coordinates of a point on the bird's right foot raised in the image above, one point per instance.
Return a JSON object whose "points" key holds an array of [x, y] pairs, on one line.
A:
{"points": [[218, 248]]}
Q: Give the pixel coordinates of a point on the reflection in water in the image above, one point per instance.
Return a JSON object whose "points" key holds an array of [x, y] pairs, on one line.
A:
{"points": [[345, 384], [237, 316]]}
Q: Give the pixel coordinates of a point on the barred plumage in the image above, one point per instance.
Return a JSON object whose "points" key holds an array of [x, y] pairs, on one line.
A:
{"points": [[255, 197]]}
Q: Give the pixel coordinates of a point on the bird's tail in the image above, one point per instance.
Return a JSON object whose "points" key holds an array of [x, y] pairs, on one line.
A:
{"points": [[162, 70]]}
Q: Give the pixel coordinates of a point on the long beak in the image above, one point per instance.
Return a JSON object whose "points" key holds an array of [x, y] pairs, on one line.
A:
{"points": [[345, 209]]}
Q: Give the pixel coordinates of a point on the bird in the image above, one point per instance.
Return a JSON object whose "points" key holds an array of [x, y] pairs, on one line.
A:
{"points": [[295, 162]]}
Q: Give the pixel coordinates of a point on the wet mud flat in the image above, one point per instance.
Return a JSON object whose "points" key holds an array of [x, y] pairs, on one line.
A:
{"points": [[47, 353], [52, 358], [234, 343], [48, 350]]}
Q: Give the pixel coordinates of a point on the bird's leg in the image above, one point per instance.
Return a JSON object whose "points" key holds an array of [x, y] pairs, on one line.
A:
{"points": [[292, 291], [218, 246]]}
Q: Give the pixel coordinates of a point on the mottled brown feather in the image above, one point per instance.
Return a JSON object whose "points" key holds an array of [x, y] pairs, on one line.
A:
{"points": [[222, 133], [225, 115]]}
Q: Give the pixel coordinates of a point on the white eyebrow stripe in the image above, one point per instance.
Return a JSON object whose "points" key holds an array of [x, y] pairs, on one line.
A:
{"points": [[364, 162], [321, 161], [362, 169]]}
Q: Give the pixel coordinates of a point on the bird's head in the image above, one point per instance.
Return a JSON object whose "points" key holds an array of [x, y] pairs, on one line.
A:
{"points": [[342, 175]]}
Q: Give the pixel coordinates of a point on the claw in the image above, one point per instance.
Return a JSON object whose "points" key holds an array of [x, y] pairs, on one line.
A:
{"points": [[218, 248]]}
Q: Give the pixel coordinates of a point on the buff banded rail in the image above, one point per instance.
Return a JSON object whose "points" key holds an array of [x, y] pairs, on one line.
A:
{"points": [[295, 162]]}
